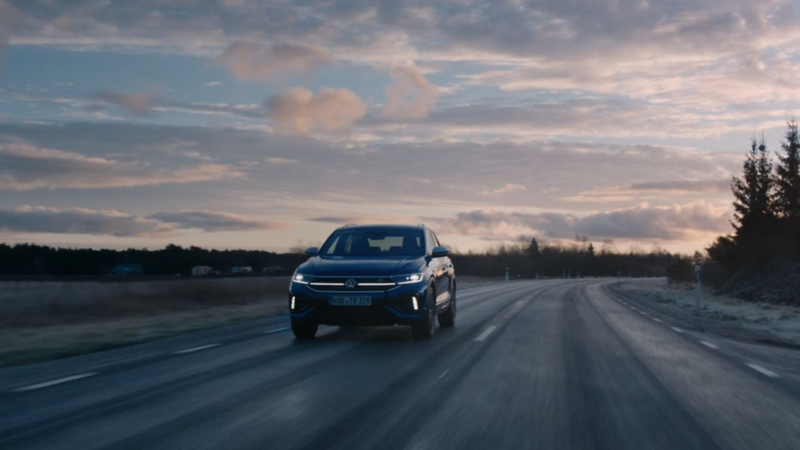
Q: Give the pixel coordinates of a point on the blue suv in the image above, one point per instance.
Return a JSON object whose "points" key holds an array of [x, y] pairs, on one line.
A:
{"points": [[375, 275]]}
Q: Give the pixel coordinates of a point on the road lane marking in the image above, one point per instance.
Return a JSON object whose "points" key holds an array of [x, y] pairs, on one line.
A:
{"points": [[54, 382], [196, 349], [677, 329], [443, 374], [276, 330], [642, 313], [709, 344], [764, 371], [485, 333], [657, 319]]}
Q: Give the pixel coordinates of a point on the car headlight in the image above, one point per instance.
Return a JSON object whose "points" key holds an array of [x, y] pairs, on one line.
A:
{"points": [[407, 279], [302, 278]]}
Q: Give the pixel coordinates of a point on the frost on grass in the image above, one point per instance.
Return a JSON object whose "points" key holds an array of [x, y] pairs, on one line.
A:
{"points": [[781, 322]]}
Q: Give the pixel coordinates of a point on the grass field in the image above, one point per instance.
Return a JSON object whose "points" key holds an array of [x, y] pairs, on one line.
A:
{"points": [[775, 323], [53, 319]]}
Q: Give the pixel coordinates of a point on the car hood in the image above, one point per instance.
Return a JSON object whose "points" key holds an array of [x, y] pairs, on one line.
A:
{"points": [[337, 266]]}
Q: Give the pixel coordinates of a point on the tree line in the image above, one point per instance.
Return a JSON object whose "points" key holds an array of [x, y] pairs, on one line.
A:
{"points": [[525, 258], [30, 259], [767, 209], [531, 257]]}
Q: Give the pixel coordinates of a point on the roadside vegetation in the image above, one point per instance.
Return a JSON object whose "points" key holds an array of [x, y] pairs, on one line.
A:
{"points": [[760, 261], [722, 314], [752, 276]]}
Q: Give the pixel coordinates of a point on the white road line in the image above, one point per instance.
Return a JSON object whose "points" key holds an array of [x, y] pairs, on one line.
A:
{"points": [[54, 382], [766, 372], [657, 320], [443, 374], [485, 333], [642, 313], [709, 344], [196, 349], [276, 330], [677, 329]]}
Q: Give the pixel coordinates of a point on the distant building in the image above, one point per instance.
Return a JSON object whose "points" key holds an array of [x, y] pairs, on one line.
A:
{"points": [[241, 269], [198, 271], [273, 270], [127, 269]]}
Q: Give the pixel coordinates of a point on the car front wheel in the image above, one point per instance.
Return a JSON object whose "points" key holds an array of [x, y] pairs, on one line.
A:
{"points": [[448, 317], [304, 330], [426, 325]]}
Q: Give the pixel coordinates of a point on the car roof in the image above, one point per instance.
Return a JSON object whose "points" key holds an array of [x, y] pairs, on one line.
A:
{"points": [[383, 227]]}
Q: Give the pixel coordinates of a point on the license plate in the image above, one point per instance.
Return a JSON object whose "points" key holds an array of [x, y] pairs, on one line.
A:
{"points": [[350, 301]]}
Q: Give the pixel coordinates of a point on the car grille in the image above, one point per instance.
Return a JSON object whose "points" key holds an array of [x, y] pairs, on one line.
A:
{"points": [[340, 284]]}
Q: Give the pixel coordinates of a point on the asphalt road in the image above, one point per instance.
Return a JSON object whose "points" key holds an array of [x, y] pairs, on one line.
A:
{"points": [[541, 364]]}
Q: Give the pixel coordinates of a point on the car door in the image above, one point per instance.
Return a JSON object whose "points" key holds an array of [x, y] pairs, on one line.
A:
{"points": [[447, 276], [439, 268]]}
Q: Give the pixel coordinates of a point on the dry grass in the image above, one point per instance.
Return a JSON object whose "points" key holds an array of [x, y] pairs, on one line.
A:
{"points": [[53, 319], [64, 302], [32, 343], [48, 320], [779, 321]]}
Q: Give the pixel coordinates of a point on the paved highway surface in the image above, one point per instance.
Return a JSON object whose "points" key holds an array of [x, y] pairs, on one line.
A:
{"points": [[556, 364]]}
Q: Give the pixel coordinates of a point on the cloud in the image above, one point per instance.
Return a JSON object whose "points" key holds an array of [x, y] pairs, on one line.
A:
{"points": [[683, 186], [29, 219], [335, 219], [213, 84], [642, 222], [509, 187], [277, 160], [9, 21], [410, 96], [253, 61], [210, 221], [574, 117], [649, 188], [26, 167], [38, 219], [299, 111], [139, 103], [339, 220]]}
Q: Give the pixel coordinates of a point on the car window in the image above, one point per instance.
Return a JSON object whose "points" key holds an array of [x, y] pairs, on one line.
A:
{"points": [[332, 247], [391, 242]]}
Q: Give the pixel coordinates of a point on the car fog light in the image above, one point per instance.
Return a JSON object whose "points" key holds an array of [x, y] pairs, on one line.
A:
{"points": [[293, 302], [414, 302]]}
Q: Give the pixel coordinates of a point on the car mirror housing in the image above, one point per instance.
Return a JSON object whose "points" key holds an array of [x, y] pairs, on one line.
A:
{"points": [[311, 251], [438, 252]]}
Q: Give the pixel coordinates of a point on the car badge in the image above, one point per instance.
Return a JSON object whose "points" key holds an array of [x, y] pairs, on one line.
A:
{"points": [[351, 283]]}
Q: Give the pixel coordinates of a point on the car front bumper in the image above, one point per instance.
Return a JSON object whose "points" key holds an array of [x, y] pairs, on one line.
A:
{"points": [[390, 307]]}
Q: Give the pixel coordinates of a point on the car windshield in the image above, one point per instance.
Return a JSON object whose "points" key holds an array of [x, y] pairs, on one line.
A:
{"points": [[398, 242]]}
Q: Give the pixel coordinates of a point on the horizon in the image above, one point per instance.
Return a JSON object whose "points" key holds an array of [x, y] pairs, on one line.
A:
{"points": [[235, 124]]}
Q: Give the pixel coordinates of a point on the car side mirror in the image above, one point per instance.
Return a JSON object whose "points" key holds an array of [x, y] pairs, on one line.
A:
{"points": [[311, 251], [438, 252]]}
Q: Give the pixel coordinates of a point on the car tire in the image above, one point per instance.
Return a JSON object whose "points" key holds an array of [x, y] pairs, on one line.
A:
{"points": [[448, 318], [304, 330], [426, 325]]}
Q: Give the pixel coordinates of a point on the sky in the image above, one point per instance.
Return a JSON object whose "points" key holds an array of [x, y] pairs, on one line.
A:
{"points": [[267, 124]]}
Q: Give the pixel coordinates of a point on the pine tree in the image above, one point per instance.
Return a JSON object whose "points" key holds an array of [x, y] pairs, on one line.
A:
{"points": [[754, 214], [787, 190], [533, 249], [787, 171]]}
